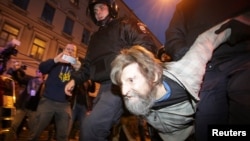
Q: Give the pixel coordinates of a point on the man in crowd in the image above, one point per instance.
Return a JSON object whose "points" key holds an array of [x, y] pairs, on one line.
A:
{"points": [[26, 105], [54, 102]]}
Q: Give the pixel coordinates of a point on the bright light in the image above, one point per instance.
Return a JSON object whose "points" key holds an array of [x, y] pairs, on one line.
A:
{"points": [[168, 1], [156, 14]]}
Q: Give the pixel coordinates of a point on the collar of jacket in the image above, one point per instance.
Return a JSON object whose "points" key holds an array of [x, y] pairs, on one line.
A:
{"points": [[105, 22]]}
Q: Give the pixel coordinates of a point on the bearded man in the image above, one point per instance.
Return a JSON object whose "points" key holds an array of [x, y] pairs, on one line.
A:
{"points": [[165, 94]]}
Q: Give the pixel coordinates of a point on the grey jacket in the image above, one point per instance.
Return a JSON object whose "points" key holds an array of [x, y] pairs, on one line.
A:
{"points": [[175, 122]]}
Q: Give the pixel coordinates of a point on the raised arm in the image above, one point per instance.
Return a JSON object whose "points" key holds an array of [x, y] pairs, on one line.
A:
{"points": [[191, 68]]}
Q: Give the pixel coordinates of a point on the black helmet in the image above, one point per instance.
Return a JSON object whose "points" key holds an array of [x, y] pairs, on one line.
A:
{"points": [[113, 8]]}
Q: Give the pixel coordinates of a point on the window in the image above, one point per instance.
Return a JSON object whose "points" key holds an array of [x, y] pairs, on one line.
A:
{"points": [[21, 3], [85, 36], [37, 49], [75, 2], [8, 33], [68, 26], [48, 13]]}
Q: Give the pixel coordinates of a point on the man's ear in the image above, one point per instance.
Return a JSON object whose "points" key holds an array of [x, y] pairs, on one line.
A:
{"points": [[156, 77]]}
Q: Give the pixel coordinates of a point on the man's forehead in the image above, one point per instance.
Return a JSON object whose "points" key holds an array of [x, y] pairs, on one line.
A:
{"points": [[70, 46], [130, 70], [99, 5]]}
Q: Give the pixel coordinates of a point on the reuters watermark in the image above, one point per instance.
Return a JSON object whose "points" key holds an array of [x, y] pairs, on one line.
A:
{"points": [[219, 132]]}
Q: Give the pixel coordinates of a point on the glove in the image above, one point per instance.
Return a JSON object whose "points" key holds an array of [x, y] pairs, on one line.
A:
{"points": [[239, 31]]}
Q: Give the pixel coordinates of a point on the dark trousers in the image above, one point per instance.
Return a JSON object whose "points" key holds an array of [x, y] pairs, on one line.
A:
{"points": [[107, 110], [78, 114], [47, 109], [224, 96]]}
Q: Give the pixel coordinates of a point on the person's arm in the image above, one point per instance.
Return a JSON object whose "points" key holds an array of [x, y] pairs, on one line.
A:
{"points": [[78, 77], [136, 33], [240, 31], [29, 86], [77, 65], [46, 66], [175, 36], [82, 75], [92, 86], [189, 71]]}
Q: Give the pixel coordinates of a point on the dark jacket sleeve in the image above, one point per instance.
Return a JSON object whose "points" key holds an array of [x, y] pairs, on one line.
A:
{"points": [[83, 73], [46, 66], [175, 34], [193, 17], [92, 86], [135, 33]]}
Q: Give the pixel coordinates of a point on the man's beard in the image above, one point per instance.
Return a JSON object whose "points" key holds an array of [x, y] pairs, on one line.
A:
{"points": [[142, 104]]}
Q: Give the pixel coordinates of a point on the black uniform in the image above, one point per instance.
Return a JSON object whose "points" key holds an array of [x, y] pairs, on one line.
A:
{"points": [[104, 46]]}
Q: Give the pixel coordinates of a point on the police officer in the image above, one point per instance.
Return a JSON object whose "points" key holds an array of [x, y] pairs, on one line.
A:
{"points": [[114, 34]]}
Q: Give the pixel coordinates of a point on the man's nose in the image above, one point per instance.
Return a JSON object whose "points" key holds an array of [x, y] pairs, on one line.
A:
{"points": [[97, 12], [70, 50], [125, 89]]}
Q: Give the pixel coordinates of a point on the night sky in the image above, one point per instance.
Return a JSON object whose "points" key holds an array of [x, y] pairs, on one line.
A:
{"points": [[156, 14]]}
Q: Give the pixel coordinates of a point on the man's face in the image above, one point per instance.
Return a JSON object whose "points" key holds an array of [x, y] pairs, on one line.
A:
{"points": [[138, 92], [101, 11], [16, 64], [70, 49]]}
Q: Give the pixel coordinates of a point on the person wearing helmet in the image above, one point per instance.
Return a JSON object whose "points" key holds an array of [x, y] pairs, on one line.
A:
{"points": [[115, 33], [112, 11]]}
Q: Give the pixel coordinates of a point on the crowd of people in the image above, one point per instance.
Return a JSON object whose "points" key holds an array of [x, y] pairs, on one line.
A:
{"points": [[198, 80]]}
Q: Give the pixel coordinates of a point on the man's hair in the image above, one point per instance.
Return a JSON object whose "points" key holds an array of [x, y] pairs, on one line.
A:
{"points": [[148, 64]]}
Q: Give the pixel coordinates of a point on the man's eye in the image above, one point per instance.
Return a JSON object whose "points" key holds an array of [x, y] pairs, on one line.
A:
{"points": [[102, 7], [131, 80]]}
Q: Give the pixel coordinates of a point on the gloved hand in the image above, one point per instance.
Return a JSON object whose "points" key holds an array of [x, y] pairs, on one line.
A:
{"points": [[239, 31]]}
